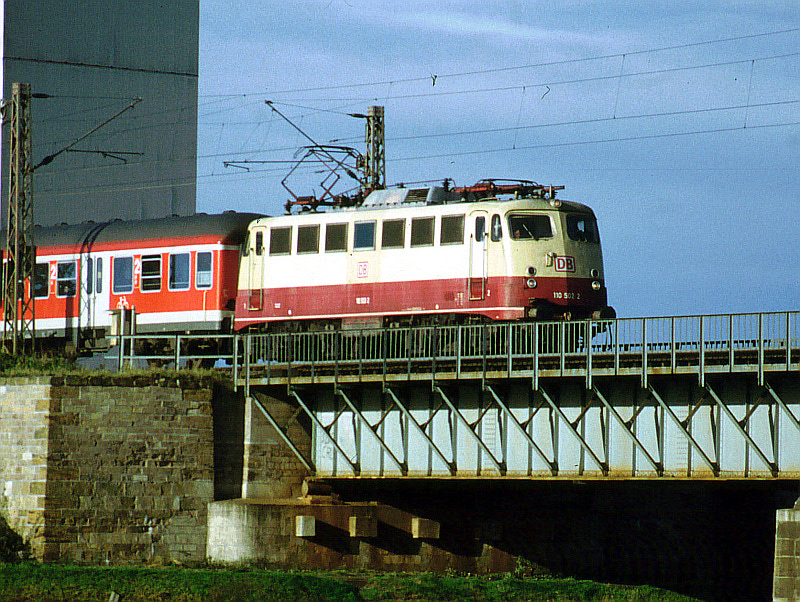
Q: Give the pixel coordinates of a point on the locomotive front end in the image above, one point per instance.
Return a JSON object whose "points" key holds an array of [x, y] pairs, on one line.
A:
{"points": [[558, 261]]}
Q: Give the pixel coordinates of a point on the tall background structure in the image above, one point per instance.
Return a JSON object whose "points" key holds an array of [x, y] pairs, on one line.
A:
{"points": [[92, 59]]}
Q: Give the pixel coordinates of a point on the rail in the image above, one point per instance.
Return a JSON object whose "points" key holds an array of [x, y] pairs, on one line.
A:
{"points": [[699, 345]]}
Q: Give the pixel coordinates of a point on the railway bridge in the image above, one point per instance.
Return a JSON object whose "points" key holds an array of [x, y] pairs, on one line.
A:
{"points": [[649, 450], [694, 397]]}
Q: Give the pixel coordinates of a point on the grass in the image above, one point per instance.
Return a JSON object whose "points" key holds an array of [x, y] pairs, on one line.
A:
{"points": [[67, 583]]}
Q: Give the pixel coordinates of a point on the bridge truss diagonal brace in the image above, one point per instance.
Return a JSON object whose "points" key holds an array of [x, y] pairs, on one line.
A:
{"points": [[308, 464], [354, 466], [451, 465], [603, 466], [782, 405], [553, 464], [501, 466], [403, 466], [657, 466], [727, 411], [713, 465]]}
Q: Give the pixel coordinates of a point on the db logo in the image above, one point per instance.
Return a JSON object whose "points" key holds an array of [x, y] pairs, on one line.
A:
{"points": [[565, 263], [363, 269]]}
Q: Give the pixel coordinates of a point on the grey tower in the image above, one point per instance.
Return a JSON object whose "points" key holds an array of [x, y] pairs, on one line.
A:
{"points": [[92, 58]]}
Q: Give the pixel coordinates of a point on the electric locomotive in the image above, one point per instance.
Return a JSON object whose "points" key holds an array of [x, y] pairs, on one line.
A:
{"points": [[404, 256]]}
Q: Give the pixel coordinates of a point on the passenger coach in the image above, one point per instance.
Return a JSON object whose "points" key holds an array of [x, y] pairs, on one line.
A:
{"points": [[170, 275]]}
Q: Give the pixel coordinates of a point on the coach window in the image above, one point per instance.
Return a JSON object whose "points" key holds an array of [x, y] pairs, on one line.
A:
{"points": [[393, 234], [123, 275], [497, 228], [66, 279], [422, 231], [452, 230], [98, 276], [308, 239], [280, 241], [41, 280], [364, 236], [335, 238], [526, 227], [151, 273], [202, 274], [89, 278], [179, 271]]}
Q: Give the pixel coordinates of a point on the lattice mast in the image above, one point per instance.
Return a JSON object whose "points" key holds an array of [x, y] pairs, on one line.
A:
{"points": [[375, 160], [20, 255]]}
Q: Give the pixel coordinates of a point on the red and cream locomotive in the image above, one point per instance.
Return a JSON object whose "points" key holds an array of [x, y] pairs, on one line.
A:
{"points": [[410, 256]]}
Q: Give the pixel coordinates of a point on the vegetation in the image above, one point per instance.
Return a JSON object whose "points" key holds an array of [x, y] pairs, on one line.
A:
{"points": [[12, 547], [24, 365], [66, 583]]}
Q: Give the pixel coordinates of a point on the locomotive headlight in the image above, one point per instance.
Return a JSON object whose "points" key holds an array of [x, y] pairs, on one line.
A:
{"points": [[531, 271], [596, 285], [595, 273], [530, 283]]}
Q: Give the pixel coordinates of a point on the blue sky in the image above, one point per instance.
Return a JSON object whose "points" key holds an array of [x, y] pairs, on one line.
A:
{"points": [[676, 122]]}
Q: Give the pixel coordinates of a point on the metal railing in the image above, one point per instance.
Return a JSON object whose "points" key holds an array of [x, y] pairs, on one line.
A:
{"points": [[643, 346], [174, 351]]}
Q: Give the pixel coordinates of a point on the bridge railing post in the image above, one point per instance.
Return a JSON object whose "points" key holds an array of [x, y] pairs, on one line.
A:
{"points": [[644, 353], [761, 350], [701, 357]]}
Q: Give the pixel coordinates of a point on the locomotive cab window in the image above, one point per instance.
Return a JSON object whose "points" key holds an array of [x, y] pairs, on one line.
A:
{"points": [[203, 274], [335, 238], [151, 273], [179, 271], [308, 239], [280, 241], [364, 236], [452, 230], [66, 279], [527, 227], [422, 231], [480, 228], [41, 280], [394, 234], [583, 228], [497, 228], [259, 243], [123, 275]]}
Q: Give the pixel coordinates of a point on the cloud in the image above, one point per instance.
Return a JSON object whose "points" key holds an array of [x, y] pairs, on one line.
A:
{"points": [[480, 25]]}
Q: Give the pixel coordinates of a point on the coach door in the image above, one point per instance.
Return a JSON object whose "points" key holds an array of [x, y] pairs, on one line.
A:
{"points": [[93, 303], [478, 256]]}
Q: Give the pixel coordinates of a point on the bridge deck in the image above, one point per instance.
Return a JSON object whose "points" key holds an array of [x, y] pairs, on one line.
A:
{"points": [[678, 397]]}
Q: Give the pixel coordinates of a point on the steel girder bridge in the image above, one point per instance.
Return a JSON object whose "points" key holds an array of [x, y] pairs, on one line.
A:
{"points": [[695, 397]]}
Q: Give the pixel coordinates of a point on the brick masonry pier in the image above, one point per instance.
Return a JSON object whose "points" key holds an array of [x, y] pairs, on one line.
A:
{"points": [[115, 469]]}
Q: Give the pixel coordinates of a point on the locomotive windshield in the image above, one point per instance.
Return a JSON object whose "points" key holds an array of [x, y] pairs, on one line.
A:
{"points": [[530, 226], [582, 227]]}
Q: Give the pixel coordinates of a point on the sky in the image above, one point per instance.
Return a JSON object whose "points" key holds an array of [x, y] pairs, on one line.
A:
{"points": [[678, 123]]}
